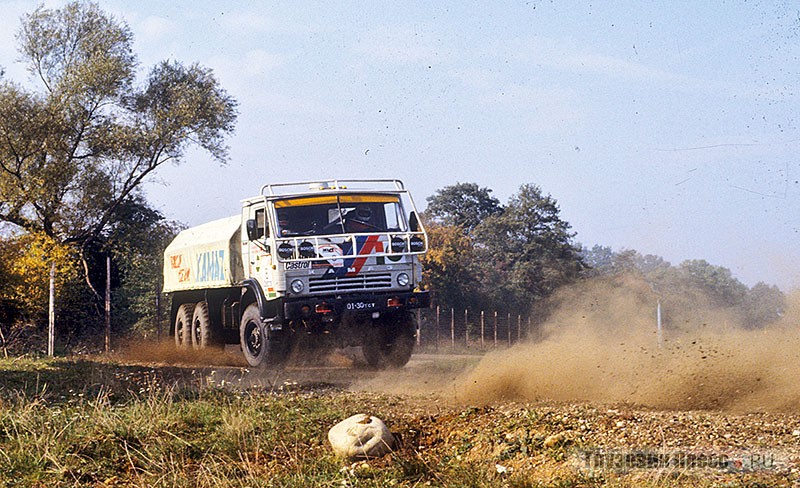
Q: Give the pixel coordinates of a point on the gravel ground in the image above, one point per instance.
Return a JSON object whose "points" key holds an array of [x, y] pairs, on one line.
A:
{"points": [[548, 443]]}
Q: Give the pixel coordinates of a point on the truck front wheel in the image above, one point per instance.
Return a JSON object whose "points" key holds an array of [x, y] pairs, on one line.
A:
{"points": [[390, 341], [183, 326], [260, 346]]}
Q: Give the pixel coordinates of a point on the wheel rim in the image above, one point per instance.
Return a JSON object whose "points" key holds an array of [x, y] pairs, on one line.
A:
{"points": [[197, 334], [253, 338]]}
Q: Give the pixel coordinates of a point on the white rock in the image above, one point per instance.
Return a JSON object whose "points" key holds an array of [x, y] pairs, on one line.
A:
{"points": [[361, 437]]}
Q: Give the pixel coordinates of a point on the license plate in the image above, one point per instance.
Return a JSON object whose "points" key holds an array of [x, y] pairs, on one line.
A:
{"points": [[359, 306]]}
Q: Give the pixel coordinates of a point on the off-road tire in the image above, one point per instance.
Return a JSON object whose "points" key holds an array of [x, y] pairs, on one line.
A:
{"points": [[183, 326], [203, 333], [260, 346]]}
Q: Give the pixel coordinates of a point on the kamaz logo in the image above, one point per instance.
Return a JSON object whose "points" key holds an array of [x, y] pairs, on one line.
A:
{"points": [[210, 266]]}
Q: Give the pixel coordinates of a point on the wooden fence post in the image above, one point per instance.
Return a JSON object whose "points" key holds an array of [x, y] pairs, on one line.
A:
{"points": [[466, 326], [438, 323], [452, 329], [483, 330], [495, 328]]}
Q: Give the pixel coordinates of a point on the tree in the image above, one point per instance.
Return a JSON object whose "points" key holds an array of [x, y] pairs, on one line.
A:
{"points": [[137, 267], [449, 266], [716, 281], [527, 251], [764, 305], [463, 205], [72, 152]]}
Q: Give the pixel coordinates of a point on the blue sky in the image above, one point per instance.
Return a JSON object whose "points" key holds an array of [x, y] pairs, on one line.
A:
{"points": [[666, 127]]}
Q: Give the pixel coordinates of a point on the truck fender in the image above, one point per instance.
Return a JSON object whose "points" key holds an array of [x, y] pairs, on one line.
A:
{"points": [[264, 307]]}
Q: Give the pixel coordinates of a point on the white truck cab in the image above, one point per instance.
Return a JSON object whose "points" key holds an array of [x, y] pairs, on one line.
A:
{"points": [[305, 266]]}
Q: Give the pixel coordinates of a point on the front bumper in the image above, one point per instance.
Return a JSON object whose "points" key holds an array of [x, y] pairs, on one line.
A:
{"points": [[362, 303]]}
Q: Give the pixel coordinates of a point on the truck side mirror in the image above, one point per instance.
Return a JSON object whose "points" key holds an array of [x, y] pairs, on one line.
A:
{"points": [[413, 222], [252, 230]]}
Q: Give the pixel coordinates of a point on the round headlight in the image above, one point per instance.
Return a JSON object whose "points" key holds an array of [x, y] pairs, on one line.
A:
{"points": [[297, 286], [402, 279]]}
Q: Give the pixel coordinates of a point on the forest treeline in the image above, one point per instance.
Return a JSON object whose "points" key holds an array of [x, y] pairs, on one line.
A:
{"points": [[511, 257], [484, 255]]}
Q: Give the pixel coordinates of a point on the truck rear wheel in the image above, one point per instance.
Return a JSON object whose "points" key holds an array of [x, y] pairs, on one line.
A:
{"points": [[183, 326], [261, 347], [390, 341], [202, 329]]}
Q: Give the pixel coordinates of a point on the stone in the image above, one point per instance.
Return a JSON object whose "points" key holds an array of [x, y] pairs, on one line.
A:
{"points": [[556, 440], [361, 436]]}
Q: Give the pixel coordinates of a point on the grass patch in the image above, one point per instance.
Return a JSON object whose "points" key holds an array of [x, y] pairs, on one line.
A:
{"points": [[97, 423]]}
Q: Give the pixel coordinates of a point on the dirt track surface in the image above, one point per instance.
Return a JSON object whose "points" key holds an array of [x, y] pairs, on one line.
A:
{"points": [[427, 409]]}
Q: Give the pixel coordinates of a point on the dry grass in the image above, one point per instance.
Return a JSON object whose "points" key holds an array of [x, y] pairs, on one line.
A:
{"points": [[101, 423]]}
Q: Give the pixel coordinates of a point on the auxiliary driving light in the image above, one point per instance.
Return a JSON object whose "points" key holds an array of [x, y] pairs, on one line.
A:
{"points": [[285, 250], [398, 244], [306, 249]]}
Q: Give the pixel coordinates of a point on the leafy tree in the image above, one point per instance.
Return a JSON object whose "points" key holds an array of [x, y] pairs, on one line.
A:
{"points": [[74, 150], [449, 266], [26, 260], [463, 205], [717, 282], [693, 291], [603, 261], [527, 250], [763, 305], [599, 260], [137, 264]]}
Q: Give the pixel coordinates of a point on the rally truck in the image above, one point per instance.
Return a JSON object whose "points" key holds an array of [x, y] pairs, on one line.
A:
{"points": [[306, 267]]}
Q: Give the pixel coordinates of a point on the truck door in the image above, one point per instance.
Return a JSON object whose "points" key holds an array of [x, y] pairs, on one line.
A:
{"points": [[256, 255]]}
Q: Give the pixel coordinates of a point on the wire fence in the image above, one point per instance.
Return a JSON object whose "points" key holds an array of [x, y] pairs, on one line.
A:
{"points": [[458, 330]]}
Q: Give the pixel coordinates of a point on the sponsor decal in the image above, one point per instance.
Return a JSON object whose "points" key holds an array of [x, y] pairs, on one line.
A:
{"points": [[210, 266], [365, 245], [184, 275], [175, 261], [332, 253]]}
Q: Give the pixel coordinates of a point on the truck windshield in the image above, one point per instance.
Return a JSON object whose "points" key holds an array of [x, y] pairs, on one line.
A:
{"points": [[338, 214]]}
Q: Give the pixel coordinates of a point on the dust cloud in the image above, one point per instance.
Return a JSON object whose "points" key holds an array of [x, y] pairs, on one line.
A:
{"points": [[165, 352], [601, 345]]}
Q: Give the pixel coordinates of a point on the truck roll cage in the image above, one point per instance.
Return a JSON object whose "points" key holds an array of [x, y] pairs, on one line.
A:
{"points": [[370, 244], [303, 187]]}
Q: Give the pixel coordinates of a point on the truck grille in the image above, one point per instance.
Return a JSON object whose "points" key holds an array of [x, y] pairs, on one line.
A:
{"points": [[350, 283]]}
